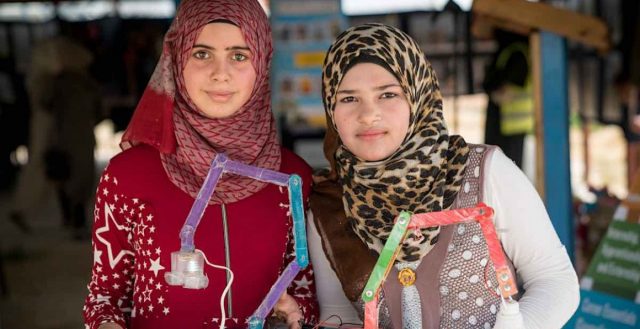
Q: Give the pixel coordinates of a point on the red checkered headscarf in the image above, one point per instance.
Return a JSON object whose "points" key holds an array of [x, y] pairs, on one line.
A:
{"points": [[167, 119]]}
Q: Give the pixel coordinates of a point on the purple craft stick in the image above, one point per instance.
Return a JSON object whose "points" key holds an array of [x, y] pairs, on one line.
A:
{"points": [[261, 174], [276, 291], [204, 195]]}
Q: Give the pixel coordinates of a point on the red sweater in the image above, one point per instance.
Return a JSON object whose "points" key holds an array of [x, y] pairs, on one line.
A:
{"points": [[137, 219]]}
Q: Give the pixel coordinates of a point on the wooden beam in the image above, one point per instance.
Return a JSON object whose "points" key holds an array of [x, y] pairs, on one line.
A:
{"points": [[488, 23], [536, 69], [521, 15]]}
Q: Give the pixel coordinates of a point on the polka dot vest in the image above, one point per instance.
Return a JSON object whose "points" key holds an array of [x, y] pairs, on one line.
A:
{"points": [[460, 292]]}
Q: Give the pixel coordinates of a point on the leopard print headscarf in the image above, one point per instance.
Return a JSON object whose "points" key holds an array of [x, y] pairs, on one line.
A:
{"points": [[426, 171]]}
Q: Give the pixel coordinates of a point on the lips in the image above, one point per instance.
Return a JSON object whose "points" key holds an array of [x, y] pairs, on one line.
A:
{"points": [[371, 134], [219, 96]]}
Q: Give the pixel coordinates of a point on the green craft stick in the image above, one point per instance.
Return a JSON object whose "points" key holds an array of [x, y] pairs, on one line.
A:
{"points": [[387, 256]]}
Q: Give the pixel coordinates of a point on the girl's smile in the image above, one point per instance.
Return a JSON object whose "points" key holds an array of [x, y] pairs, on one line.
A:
{"points": [[220, 96], [371, 134]]}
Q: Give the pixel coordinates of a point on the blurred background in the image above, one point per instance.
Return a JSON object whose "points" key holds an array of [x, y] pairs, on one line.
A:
{"points": [[71, 73]]}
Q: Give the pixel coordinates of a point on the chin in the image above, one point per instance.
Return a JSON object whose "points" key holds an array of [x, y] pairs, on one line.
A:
{"points": [[368, 152], [373, 157], [218, 113]]}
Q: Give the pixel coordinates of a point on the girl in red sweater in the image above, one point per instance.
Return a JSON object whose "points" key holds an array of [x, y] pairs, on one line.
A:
{"points": [[209, 94]]}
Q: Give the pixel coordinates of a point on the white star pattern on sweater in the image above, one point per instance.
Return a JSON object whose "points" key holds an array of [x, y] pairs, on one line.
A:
{"points": [[155, 266], [108, 216], [124, 273]]}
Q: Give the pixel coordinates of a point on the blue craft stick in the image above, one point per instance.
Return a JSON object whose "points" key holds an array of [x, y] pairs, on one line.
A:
{"points": [[297, 213], [255, 323]]}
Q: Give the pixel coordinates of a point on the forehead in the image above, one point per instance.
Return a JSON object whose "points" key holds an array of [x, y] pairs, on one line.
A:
{"points": [[363, 75], [221, 33]]}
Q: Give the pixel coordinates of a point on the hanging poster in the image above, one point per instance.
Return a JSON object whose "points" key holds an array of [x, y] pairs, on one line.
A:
{"points": [[303, 30]]}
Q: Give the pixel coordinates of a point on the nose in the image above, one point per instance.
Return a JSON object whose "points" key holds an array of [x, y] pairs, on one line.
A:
{"points": [[219, 71], [368, 113]]}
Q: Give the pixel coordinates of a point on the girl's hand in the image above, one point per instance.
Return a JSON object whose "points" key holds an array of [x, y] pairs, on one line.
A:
{"points": [[287, 309], [109, 325]]}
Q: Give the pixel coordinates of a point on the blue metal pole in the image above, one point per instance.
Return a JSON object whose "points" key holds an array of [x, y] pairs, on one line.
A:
{"points": [[555, 124]]}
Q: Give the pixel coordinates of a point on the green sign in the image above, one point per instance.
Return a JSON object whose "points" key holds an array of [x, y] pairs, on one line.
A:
{"points": [[615, 268]]}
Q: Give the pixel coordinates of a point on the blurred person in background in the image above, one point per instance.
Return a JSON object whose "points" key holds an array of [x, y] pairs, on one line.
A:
{"points": [[507, 82], [65, 106]]}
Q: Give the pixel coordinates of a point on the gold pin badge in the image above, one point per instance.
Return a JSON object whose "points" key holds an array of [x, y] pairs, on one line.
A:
{"points": [[407, 277]]}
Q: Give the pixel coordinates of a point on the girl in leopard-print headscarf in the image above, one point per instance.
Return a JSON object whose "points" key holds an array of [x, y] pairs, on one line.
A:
{"points": [[208, 95], [390, 151]]}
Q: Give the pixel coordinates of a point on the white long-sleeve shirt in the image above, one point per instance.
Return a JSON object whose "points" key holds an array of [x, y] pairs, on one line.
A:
{"points": [[542, 264]]}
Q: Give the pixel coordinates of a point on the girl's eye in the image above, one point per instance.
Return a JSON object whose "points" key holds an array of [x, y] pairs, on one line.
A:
{"points": [[201, 54], [348, 99], [388, 95], [238, 57]]}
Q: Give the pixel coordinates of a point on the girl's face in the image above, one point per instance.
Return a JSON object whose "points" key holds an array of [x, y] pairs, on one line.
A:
{"points": [[372, 112], [219, 75]]}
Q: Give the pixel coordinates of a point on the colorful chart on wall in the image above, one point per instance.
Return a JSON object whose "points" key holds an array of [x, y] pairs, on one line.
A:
{"points": [[302, 33]]}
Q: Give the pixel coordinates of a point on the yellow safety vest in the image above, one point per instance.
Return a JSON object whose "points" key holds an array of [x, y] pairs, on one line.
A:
{"points": [[516, 111]]}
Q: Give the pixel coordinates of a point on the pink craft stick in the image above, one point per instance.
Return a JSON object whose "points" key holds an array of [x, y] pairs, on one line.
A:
{"points": [[448, 217], [482, 214], [371, 313]]}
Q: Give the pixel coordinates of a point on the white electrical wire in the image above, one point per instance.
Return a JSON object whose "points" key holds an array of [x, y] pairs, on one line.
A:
{"points": [[223, 317]]}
